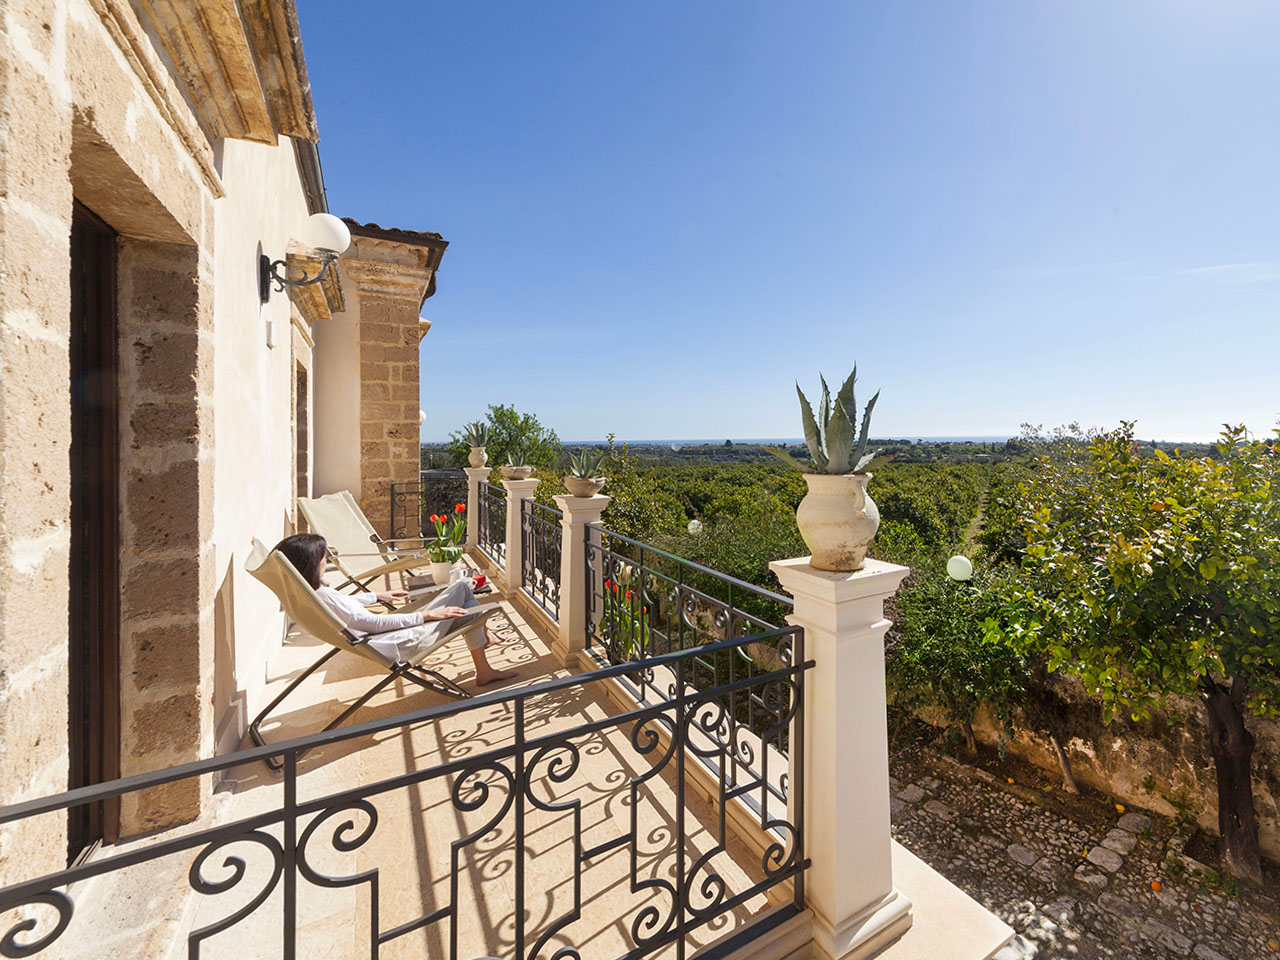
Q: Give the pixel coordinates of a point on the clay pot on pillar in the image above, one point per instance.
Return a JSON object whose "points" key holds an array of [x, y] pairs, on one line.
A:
{"points": [[838, 520], [477, 457]]}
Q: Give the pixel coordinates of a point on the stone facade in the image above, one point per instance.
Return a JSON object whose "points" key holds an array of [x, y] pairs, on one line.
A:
{"points": [[189, 138], [389, 274]]}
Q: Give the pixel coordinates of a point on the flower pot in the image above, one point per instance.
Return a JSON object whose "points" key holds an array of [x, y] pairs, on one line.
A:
{"points": [[583, 486], [477, 457], [516, 473], [838, 520], [440, 570]]}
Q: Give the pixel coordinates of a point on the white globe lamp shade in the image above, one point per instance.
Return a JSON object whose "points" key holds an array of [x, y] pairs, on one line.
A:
{"points": [[324, 231], [695, 526], [422, 417], [960, 568]]}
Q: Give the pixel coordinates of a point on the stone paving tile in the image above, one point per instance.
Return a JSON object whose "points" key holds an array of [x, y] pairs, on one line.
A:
{"points": [[1036, 870]]}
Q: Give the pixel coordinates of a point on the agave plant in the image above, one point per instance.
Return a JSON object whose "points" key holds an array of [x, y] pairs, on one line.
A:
{"points": [[586, 465], [515, 457], [833, 444], [476, 434]]}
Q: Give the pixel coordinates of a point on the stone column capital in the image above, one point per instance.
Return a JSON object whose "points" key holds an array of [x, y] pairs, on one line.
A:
{"points": [[521, 489], [579, 511], [478, 474]]}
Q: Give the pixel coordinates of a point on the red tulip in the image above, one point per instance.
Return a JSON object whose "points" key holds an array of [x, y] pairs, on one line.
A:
{"points": [[628, 594]]}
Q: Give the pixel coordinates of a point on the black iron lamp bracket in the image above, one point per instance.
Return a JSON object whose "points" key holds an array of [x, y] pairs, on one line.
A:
{"points": [[274, 271]]}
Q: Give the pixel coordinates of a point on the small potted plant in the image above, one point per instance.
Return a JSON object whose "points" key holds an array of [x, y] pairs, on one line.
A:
{"points": [[446, 549], [837, 518], [476, 434], [516, 468], [584, 478]]}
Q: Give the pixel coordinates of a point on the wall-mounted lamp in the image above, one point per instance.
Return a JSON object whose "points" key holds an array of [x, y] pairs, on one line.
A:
{"points": [[323, 233]]}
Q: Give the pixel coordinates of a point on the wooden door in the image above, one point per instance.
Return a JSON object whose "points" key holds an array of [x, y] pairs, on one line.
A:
{"points": [[94, 609]]}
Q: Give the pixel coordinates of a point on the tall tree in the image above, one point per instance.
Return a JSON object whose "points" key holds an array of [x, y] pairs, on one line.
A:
{"points": [[1149, 576], [511, 430]]}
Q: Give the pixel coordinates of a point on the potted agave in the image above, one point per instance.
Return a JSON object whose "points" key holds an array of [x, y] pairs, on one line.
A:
{"points": [[476, 434], [584, 478], [446, 549], [837, 518], [516, 468]]}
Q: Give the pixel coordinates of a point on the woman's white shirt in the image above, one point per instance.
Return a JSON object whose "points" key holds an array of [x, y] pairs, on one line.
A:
{"points": [[353, 612]]}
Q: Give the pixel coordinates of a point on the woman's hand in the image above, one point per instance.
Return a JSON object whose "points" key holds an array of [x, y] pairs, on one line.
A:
{"points": [[443, 613], [391, 595]]}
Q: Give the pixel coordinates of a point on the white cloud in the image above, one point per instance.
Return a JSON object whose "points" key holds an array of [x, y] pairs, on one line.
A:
{"points": [[1251, 272]]}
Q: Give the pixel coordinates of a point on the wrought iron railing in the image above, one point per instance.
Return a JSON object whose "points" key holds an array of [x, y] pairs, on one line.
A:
{"points": [[644, 603], [541, 541], [493, 523], [435, 491], [502, 797]]}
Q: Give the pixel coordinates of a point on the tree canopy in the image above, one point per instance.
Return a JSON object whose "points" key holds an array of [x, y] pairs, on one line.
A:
{"points": [[511, 430]]}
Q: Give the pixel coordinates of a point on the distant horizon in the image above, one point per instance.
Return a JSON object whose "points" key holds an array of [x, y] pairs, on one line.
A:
{"points": [[796, 441]]}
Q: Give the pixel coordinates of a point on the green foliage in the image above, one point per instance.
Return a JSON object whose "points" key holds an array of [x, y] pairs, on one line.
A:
{"points": [[624, 623], [940, 656], [834, 445], [1147, 575], [508, 431]]}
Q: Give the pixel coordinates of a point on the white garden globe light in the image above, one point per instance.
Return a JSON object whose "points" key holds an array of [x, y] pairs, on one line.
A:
{"points": [[695, 526], [959, 568], [422, 417], [324, 231]]}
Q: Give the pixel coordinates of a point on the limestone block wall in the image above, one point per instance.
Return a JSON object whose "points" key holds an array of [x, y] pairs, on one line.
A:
{"points": [[35, 224], [388, 403]]}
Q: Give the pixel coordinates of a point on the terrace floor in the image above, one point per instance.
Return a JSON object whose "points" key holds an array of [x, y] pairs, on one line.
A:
{"points": [[419, 825]]}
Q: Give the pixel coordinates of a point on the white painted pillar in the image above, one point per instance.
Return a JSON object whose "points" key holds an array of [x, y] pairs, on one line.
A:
{"points": [[856, 908], [517, 492], [577, 514], [476, 478]]}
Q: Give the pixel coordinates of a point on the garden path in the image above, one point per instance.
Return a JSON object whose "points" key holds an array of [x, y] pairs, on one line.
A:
{"points": [[1074, 887]]}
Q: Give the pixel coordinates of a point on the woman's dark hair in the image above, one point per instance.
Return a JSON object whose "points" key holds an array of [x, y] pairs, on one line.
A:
{"points": [[305, 551]]}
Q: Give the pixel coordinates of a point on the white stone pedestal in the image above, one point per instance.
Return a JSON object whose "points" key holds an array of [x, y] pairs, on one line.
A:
{"points": [[857, 910], [577, 514], [476, 477], [517, 492]]}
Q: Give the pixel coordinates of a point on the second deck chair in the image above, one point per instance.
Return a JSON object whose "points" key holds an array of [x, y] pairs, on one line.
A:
{"points": [[304, 607], [354, 546]]}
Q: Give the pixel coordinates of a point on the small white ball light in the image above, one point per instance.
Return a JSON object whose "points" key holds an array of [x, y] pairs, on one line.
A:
{"points": [[324, 231], [422, 417], [695, 526], [960, 568]]}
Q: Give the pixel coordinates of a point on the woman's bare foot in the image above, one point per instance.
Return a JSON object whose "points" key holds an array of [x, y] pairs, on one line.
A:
{"points": [[484, 677], [493, 639]]}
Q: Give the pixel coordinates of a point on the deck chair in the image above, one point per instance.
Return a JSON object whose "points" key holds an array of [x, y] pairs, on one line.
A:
{"points": [[354, 546], [304, 606]]}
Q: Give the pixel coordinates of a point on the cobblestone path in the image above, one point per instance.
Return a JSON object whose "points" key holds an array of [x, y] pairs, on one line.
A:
{"points": [[1071, 890]]}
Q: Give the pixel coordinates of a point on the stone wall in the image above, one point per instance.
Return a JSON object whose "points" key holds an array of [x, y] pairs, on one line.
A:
{"points": [[1171, 750]]}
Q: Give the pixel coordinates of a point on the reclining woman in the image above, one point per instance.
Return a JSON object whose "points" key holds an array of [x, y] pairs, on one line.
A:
{"points": [[308, 552]]}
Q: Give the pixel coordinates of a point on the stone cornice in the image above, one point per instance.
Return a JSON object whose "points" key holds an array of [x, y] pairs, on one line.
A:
{"points": [[390, 268], [242, 65], [135, 46], [316, 301], [424, 325]]}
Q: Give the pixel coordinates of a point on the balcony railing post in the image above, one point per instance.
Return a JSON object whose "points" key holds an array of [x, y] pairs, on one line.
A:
{"points": [[856, 908], [576, 514], [517, 492], [476, 478]]}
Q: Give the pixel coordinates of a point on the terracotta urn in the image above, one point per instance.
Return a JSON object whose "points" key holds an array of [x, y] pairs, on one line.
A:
{"points": [[516, 473], [477, 457], [838, 520], [583, 486]]}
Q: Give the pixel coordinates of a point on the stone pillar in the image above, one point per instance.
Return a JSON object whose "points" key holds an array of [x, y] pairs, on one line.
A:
{"points": [[577, 513], [856, 908], [517, 492], [476, 478]]}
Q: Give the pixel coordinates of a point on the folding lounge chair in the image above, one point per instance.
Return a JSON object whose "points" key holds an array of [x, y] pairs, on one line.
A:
{"points": [[354, 545], [304, 606]]}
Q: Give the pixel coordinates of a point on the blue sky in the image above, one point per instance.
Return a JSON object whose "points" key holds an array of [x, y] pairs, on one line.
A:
{"points": [[661, 214]]}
